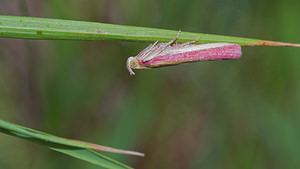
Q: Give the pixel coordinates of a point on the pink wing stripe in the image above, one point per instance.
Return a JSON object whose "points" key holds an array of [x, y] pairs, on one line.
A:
{"points": [[231, 51]]}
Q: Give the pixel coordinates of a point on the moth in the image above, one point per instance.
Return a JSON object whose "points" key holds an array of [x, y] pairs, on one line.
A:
{"points": [[170, 53]]}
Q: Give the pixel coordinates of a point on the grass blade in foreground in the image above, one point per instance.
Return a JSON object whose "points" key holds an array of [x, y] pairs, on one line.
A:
{"points": [[93, 157], [44, 28], [75, 148]]}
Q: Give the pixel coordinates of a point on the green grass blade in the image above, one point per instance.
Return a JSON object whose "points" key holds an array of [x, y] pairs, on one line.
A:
{"points": [[44, 28], [75, 148], [93, 157], [45, 138]]}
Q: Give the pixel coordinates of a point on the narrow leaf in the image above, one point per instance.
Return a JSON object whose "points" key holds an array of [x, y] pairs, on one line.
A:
{"points": [[44, 28], [93, 157], [75, 148]]}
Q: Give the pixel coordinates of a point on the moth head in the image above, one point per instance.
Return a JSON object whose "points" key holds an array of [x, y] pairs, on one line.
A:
{"points": [[132, 63]]}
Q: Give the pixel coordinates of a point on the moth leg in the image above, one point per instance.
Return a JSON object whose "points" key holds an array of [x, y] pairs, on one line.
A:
{"points": [[165, 45], [153, 45], [161, 47], [173, 40], [191, 42], [147, 51], [150, 49]]}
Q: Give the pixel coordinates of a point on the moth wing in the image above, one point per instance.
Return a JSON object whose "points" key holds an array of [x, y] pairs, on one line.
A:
{"points": [[192, 47]]}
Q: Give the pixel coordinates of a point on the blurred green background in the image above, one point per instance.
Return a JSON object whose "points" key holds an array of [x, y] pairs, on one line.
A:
{"points": [[222, 114]]}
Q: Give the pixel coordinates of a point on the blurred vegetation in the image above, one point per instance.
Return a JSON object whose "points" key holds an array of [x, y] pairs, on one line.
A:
{"points": [[223, 114]]}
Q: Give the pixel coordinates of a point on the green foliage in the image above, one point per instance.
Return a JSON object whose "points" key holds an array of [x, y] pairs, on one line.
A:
{"points": [[44, 28], [74, 148]]}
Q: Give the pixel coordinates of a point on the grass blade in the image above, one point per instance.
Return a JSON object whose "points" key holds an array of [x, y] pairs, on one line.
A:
{"points": [[92, 157], [75, 148], [44, 28]]}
